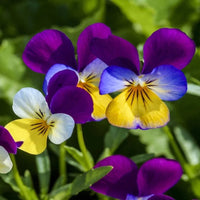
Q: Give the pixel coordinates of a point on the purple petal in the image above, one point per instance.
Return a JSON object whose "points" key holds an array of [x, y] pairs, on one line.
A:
{"points": [[120, 181], [48, 48], [157, 175], [19, 144], [61, 79], [167, 82], [73, 101], [115, 78], [116, 51], [52, 71], [7, 141], [167, 47], [85, 56], [161, 197]]}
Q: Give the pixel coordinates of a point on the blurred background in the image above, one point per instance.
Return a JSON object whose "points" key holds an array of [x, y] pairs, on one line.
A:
{"points": [[135, 21]]}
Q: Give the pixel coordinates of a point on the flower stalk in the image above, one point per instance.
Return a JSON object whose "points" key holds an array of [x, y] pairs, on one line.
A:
{"points": [[62, 163], [23, 189], [82, 146]]}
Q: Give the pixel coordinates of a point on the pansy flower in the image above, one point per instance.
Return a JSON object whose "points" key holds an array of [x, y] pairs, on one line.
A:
{"points": [[37, 122], [126, 182], [70, 88], [7, 145], [142, 88]]}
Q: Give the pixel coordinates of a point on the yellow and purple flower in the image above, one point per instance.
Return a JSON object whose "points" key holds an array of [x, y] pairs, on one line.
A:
{"points": [[126, 182], [70, 88], [7, 145], [139, 104], [37, 123]]}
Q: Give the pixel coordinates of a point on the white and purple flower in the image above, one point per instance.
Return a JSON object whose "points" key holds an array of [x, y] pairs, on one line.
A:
{"points": [[7, 145], [71, 87]]}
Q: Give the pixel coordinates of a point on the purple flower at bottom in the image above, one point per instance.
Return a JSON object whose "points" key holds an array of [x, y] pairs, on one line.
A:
{"points": [[126, 182], [7, 145]]}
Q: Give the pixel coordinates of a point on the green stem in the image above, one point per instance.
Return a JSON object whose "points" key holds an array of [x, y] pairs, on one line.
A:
{"points": [[178, 153], [62, 162], [82, 146], [23, 191]]}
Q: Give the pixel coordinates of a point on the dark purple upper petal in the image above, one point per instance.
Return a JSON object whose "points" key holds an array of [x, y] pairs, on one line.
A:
{"points": [[161, 197], [167, 46], [48, 48], [116, 51], [61, 79], [120, 181], [85, 56], [73, 101], [157, 175], [7, 141]]}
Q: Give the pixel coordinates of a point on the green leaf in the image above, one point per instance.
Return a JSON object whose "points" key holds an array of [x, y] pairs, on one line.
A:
{"points": [[114, 137], [163, 9], [141, 158], [155, 140], [44, 170], [78, 156], [141, 16], [27, 179], [69, 159], [80, 183], [74, 32], [193, 89], [106, 152], [10, 180], [58, 183], [188, 145], [11, 71], [2, 198]]}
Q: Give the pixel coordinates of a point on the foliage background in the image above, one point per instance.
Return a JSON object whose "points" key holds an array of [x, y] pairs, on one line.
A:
{"points": [[134, 20]]}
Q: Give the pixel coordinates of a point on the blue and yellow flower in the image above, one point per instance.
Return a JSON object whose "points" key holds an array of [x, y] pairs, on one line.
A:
{"points": [[139, 104]]}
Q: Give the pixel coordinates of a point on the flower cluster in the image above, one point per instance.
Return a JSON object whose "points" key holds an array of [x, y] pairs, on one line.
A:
{"points": [[78, 91]]}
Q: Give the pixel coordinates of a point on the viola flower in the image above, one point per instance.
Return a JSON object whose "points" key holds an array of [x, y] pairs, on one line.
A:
{"points": [[70, 88], [126, 182], [7, 145], [139, 104], [37, 122]]}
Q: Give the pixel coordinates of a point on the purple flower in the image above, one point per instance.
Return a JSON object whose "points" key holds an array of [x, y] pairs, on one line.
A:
{"points": [[70, 88], [126, 182], [7, 145], [140, 105]]}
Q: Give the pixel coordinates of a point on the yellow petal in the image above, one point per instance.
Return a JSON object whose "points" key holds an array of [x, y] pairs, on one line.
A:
{"points": [[100, 102], [137, 107], [33, 133]]}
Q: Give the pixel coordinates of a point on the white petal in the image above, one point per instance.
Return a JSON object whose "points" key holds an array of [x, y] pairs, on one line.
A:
{"points": [[5, 161], [30, 103], [62, 127], [95, 68]]}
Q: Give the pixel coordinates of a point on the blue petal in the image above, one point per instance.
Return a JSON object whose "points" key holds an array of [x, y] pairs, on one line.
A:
{"points": [[115, 78], [94, 69], [132, 197], [52, 71], [167, 82]]}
